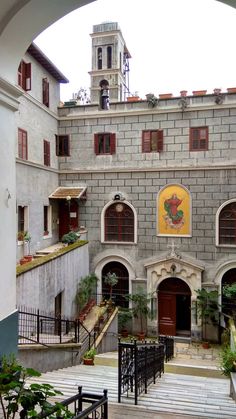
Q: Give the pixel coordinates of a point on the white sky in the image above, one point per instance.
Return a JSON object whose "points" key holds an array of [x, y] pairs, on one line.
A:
{"points": [[175, 44]]}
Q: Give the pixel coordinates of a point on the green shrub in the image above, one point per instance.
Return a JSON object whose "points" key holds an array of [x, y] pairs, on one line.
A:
{"points": [[70, 237], [227, 360]]}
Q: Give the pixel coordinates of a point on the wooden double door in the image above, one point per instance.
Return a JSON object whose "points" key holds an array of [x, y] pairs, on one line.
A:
{"points": [[174, 308]]}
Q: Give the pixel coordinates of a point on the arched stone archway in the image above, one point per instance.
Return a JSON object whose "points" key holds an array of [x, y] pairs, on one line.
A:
{"points": [[121, 289], [34, 16], [190, 275]]}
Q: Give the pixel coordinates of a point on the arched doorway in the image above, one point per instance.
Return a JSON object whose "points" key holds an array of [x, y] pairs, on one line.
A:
{"points": [[228, 303], [121, 289], [174, 307]]}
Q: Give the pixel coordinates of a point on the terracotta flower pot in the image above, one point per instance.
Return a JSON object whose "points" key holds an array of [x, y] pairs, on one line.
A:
{"points": [[132, 98], [205, 345], [28, 258], [141, 336], [199, 92], [165, 95], [231, 90], [88, 361]]}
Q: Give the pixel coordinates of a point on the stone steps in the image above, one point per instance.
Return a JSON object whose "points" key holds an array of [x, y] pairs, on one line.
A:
{"points": [[180, 395]]}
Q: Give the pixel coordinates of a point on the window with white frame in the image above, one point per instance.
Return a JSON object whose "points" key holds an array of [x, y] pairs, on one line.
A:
{"points": [[47, 220], [227, 224], [119, 223], [22, 222]]}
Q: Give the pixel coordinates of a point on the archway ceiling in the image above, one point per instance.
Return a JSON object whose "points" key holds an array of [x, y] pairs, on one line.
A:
{"points": [[23, 20]]}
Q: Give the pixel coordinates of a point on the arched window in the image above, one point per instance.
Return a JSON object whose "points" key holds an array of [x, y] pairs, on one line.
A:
{"points": [[109, 57], [119, 223], [227, 224], [99, 58]]}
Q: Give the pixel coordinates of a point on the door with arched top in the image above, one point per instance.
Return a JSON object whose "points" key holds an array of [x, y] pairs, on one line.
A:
{"points": [[228, 302], [174, 308], [121, 290]]}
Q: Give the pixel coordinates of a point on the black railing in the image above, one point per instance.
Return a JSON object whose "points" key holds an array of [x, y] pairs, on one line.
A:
{"points": [[78, 405], [168, 343], [139, 366], [40, 328]]}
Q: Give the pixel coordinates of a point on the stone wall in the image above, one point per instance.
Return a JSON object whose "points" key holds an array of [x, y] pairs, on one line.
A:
{"points": [[38, 287]]}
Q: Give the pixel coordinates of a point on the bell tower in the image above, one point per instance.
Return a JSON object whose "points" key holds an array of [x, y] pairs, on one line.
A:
{"points": [[110, 65]]}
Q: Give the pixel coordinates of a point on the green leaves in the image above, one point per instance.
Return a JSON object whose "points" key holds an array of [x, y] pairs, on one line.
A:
{"points": [[227, 361], [28, 401]]}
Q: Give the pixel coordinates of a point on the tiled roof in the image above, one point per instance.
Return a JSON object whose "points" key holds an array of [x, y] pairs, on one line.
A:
{"points": [[64, 192]]}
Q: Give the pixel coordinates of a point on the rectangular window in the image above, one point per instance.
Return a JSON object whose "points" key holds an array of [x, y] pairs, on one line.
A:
{"points": [[47, 222], [105, 143], [24, 75], [22, 213], [62, 145], [46, 152], [22, 144], [198, 139], [46, 92], [152, 141]]}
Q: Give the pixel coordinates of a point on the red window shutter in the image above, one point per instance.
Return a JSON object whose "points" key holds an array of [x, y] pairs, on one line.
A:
{"points": [[160, 142], [20, 75], [45, 92], [46, 150], [48, 153], [96, 151], [28, 76], [57, 145], [146, 141], [113, 143]]}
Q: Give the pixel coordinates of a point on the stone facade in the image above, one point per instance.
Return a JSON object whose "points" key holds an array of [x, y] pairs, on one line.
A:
{"points": [[209, 176]]}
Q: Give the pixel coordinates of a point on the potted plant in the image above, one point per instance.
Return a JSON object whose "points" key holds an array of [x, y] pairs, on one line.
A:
{"points": [[229, 299], [208, 310], [88, 358], [111, 280], [124, 316], [152, 100], [140, 309], [85, 290]]}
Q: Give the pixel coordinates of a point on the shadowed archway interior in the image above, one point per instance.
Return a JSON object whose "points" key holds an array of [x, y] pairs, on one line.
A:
{"points": [[174, 307], [121, 289]]}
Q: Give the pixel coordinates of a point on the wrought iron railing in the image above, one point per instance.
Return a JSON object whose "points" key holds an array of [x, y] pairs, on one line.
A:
{"points": [[39, 328], [139, 366], [168, 343], [83, 406]]}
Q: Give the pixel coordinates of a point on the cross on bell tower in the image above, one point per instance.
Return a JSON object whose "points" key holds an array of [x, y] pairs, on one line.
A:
{"points": [[110, 64]]}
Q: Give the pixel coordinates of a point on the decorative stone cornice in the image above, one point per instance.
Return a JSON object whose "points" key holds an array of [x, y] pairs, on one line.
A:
{"points": [[9, 95]]}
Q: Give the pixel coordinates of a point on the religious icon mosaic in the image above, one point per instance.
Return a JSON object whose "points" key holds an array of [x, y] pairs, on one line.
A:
{"points": [[174, 211]]}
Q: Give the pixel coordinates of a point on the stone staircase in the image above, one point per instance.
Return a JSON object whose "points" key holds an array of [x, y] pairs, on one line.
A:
{"points": [[173, 395]]}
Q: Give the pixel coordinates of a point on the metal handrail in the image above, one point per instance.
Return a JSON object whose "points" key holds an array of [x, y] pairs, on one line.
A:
{"points": [[97, 402]]}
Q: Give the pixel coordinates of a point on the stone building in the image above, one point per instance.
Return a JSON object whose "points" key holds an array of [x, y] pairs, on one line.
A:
{"points": [[161, 197], [36, 125], [152, 183]]}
